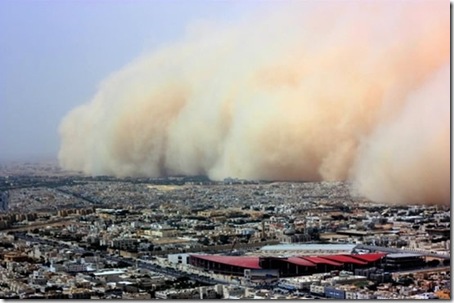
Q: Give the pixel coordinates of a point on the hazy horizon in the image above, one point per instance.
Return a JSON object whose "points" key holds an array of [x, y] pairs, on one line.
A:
{"points": [[55, 54]]}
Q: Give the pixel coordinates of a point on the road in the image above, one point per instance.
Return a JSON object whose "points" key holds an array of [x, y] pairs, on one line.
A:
{"points": [[77, 196], [422, 270], [63, 221]]}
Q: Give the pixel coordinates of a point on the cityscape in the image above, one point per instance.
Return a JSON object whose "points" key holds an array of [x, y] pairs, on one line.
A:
{"points": [[67, 236], [208, 150]]}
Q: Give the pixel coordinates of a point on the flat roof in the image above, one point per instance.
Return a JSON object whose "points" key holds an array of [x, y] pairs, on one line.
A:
{"points": [[109, 272], [403, 255], [309, 247]]}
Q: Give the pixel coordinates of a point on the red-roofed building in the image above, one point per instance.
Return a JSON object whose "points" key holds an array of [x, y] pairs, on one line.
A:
{"points": [[323, 265], [319, 260], [287, 267], [349, 262], [374, 257], [300, 261], [225, 264], [244, 262]]}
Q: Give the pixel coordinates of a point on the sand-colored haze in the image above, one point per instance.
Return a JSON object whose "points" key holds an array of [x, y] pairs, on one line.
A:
{"points": [[310, 91]]}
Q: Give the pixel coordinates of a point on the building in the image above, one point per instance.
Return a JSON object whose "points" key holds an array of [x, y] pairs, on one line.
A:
{"points": [[350, 262], [15, 256], [299, 283], [334, 293], [110, 275], [190, 293], [178, 258], [403, 261], [229, 265], [308, 249], [261, 275], [285, 266]]}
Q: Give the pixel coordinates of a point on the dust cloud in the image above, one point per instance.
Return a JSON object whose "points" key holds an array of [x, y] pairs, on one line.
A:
{"points": [[355, 91]]}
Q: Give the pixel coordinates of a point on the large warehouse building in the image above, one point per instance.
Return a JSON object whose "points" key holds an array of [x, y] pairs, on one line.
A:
{"points": [[287, 267]]}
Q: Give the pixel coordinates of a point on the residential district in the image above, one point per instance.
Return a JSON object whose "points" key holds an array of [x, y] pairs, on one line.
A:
{"points": [[76, 237]]}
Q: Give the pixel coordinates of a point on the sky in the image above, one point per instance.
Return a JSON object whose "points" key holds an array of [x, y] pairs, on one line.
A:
{"points": [[55, 54]]}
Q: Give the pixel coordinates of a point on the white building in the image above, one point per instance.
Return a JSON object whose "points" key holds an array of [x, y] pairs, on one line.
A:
{"points": [[178, 258], [317, 289]]}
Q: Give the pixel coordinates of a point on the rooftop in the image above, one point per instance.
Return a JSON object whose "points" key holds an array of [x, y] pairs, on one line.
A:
{"points": [[373, 257], [403, 255], [300, 261], [246, 262], [344, 259], [309, 247], [319, 260], [110, 272]]}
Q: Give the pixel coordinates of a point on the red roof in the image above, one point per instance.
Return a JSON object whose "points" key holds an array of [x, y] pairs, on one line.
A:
{"points": [[300, 261], [318, 260], [335, 260], [344, 259], [369, 257], [245, 262]]}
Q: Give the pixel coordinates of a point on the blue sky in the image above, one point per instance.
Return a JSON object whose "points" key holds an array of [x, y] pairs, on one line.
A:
{"points": [[53, 55]]}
